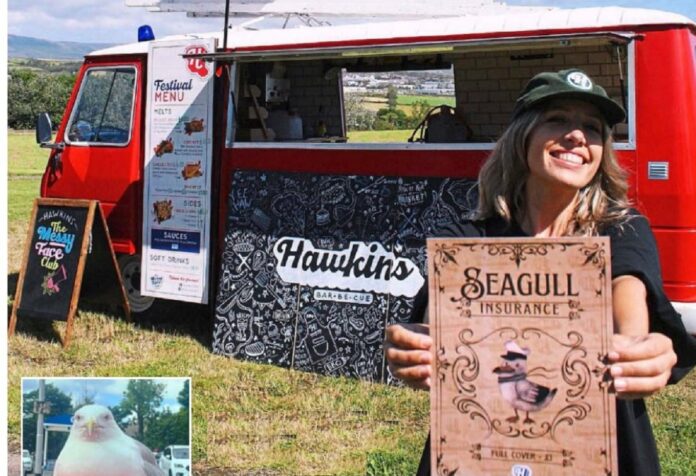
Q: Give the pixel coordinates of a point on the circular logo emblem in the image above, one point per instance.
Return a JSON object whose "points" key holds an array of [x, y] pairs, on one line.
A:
{"points": [[579, 80], [521, 470]]}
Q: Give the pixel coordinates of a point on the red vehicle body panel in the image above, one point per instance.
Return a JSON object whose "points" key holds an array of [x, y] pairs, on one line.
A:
{"points": [[111, 174], [665, 122], [666, 129]]}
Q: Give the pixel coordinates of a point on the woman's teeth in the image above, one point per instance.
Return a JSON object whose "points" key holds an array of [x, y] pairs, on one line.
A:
{"points": [[568, 157]]}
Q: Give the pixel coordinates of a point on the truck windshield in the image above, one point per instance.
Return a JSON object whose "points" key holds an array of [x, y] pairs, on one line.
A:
{"points": [[104, 107]]}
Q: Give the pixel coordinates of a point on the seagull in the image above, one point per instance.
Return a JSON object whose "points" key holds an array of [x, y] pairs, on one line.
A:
{"points": [[519, 392], [97, 446]]}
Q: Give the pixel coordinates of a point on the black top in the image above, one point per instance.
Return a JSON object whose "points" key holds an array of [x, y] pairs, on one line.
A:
{"points": [[633, 252]]}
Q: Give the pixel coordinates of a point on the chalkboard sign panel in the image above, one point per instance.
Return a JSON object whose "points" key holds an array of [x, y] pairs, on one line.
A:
{"points": [[315, 267], [68, 242]]}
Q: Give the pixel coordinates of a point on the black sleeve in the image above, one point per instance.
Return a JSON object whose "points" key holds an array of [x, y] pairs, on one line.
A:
{"points": [[462, 229], [634, 252]]}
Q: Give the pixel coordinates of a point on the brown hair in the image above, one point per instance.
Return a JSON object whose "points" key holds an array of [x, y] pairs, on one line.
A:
{"points": [[503, 178]]}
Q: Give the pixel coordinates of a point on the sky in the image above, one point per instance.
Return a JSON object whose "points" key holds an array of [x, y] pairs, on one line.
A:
{"points": [[110, 21], [106, 391]]}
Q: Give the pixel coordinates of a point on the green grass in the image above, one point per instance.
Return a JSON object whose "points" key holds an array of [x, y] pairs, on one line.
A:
{"points": [[24, 154], [379, 136], [246, 418], [250, 418], [431, 100]]}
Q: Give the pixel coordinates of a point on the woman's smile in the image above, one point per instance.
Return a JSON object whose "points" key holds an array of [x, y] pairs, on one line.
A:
{"points": [[565, 149]]}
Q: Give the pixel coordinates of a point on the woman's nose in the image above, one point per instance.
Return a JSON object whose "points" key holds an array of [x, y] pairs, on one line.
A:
{"points": [[576, 135]]}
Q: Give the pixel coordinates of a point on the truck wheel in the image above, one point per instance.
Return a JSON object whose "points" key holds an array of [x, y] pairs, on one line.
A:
{"points": [[130, 272]]}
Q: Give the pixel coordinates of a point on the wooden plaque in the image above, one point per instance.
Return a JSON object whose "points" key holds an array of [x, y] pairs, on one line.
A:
{"points": [[521, 330]]}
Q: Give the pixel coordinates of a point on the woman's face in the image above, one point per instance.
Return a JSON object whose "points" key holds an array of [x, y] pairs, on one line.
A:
{"points": [[565, 149]]}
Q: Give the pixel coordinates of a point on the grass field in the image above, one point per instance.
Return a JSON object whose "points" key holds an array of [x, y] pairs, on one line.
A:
{"points": [[24, 155], [379, 136], [254, 419], [375, 103]]}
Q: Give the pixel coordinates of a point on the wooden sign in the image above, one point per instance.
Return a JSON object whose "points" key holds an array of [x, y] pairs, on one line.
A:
{"points": [[68, 251], [521, 330]]}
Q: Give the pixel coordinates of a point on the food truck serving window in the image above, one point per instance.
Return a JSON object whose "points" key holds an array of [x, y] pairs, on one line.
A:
{"points": [[104, 108], [460, 95]]}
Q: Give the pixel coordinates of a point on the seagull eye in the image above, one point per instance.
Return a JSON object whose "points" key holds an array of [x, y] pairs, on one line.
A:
{"points": [[77, 417]]}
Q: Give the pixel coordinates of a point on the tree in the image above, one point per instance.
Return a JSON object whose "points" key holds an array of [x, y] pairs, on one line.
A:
{"points": [[388, 119], [358, 117], [392, 97], [60, 404], [142, 397], [184, 397], [30, 93], [168, 428], [419, 109]]}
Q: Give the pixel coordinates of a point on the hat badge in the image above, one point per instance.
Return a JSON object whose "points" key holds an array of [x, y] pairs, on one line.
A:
{"points": [[579, 80]]}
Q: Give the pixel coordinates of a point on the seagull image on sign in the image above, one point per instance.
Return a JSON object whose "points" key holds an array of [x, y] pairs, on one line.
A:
{"points": [[97, 446], [519, 392]]}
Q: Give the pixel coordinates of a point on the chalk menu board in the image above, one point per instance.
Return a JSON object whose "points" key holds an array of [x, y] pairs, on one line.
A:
{"points": [[315, 267], [52, 261], [68, 243]]}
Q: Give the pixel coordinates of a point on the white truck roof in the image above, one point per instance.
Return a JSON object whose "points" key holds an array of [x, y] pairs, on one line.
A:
{"points": [[423, 30]]}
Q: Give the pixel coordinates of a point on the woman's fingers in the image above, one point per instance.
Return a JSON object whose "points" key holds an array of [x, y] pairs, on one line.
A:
{"points": [[408, 357], [639, 387], [641, 365], [407, 349], [409, 336], [417, 376]]}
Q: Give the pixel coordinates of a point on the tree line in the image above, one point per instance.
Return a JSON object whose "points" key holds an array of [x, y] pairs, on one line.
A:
{"points": [[31, 92], [140, 408], [359, 118]]}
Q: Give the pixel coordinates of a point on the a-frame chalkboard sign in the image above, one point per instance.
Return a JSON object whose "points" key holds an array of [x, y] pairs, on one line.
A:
{"points": [[68, 253]]}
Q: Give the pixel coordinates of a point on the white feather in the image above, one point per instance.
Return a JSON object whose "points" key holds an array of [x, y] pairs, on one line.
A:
{"points": [[97, 446]]}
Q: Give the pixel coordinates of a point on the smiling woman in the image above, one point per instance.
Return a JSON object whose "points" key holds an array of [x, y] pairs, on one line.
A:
{"points": [[551, 174]]}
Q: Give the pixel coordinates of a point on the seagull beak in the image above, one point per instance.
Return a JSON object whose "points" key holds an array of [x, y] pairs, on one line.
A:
{"points": [[90, 426]]}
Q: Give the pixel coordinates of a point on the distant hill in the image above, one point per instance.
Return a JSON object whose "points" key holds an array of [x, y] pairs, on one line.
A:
{"points": [[27, 47]]}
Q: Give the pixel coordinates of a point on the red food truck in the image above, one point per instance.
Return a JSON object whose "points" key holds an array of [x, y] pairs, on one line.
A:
{"points": [[156, 130]]}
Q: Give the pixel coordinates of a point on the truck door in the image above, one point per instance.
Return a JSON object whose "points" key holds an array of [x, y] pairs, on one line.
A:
{"points": [[101, 154]]}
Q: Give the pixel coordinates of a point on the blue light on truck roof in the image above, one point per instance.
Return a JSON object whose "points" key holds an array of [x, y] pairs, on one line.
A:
{"points": [[145, 33]]}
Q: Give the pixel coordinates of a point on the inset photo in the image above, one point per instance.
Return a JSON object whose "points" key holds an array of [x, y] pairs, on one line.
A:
{"points": [[106, 426]]}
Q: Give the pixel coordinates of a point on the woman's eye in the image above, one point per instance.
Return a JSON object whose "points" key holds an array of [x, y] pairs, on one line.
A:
{"points": [[593, 128], [556, 119]]}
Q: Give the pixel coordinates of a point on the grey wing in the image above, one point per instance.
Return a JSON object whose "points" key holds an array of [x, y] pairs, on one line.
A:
{"points": [[527, 391], [149, 462]]}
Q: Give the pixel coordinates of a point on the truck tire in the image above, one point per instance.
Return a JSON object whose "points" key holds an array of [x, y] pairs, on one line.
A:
{"points": [[130, 273]]}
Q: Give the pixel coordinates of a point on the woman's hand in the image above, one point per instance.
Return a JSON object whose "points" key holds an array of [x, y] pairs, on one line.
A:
{"points": [[407, 348], [641, 365]]}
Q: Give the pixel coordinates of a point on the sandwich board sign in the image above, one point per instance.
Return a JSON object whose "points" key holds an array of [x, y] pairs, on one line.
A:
{"points": [[68, 252], [521, 331]]}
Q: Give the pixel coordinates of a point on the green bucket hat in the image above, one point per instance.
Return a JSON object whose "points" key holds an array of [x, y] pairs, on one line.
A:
{"points": [[570, 84]]}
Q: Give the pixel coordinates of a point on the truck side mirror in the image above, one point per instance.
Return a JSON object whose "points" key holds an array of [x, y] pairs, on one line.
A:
{"points": [[43, 128]]}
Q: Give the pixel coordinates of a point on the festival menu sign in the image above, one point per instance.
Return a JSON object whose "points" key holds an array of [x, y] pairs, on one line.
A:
{"points": [[521, 330], [177, 180]]}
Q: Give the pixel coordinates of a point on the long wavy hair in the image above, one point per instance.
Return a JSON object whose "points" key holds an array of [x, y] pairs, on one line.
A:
{"points": [[503, 178]]}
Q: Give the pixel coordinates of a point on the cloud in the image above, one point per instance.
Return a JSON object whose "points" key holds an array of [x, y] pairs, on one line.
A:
{"points": [[96, 21], [107, 391], [111, 21]]}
